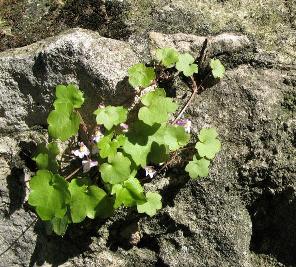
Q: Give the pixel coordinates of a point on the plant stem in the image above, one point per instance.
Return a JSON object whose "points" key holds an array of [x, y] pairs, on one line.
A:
{"points": [[82, 121], [73, 173], [195, 89]]}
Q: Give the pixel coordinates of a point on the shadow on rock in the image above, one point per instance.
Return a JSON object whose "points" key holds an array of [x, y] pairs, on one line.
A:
{"points": [[57, 250], [16, 184], [16, 181], [274, 229]]}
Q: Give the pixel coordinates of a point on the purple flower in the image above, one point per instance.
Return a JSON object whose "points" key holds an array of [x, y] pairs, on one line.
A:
{"points": [[88, 164], [149, 171], [82, 151], [97, 136], [186, 123], [124, 127]]}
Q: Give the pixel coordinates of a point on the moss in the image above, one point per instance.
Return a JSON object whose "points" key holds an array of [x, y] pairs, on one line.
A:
{"points": [[269, 22], [266, 21], [31, 21], [289, 101]]}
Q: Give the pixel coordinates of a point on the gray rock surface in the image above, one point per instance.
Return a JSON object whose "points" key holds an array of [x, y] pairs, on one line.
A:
{"points": [[28, 76], [242, 215]]}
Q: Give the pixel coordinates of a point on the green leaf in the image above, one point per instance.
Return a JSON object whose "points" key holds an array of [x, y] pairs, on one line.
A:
{"points": [[157, 107], [140, 141], [121, 139], [152, 204], [71, 94], [167, 56], [198, 167], [45, 157], [60, 225], [62, 124], [117, 170], [159, 153], [49, 195], [129, 193], [111, 116], [208, 146], [140, 75], [135, 188], [107, 147], [186, 65], [176, 137], [138, 152], [85, 200], [217, 67]]}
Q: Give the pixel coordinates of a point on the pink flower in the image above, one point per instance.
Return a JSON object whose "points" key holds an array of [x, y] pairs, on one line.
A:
{"points": [[88, 164], [97, 136], [186, 123], [149, 171], [124, 127], [82, 151]]}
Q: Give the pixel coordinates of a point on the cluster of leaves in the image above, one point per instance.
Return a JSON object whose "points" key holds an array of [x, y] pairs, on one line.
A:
{"points": [[207, 148], [150, 139]]}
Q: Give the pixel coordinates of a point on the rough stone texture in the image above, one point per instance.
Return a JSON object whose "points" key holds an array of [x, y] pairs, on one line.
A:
{"points": [[28, 76], [244, 213]]}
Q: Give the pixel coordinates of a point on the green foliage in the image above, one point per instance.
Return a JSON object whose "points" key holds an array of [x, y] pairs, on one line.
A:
{"points": [[70, 94], [45, 157], [111, 116], [64, 121], [198, 167], [157, 107], [129, 193], [86, 200], [116, 170], [218, 69], [152, 204], [108, 147], [140, 75], [167, 56], [176, 137], [186, 65], [120, 153], [49, 194], [60, 225], [208, 145]]}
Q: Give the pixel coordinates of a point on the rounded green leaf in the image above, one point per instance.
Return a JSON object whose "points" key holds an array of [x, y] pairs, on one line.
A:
{"points": [[117, 170], [129, 193], [152, 204], [176, 137], [85, 200], [49, 195], [107, 147], [111, 116], [208, 146], [167, 56], [45, 157], [140, 75], [217, 67], [60, 225], [157, 107], [70, 93], [186, 65], [138, 152], [62, 124], [198, 168]]}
